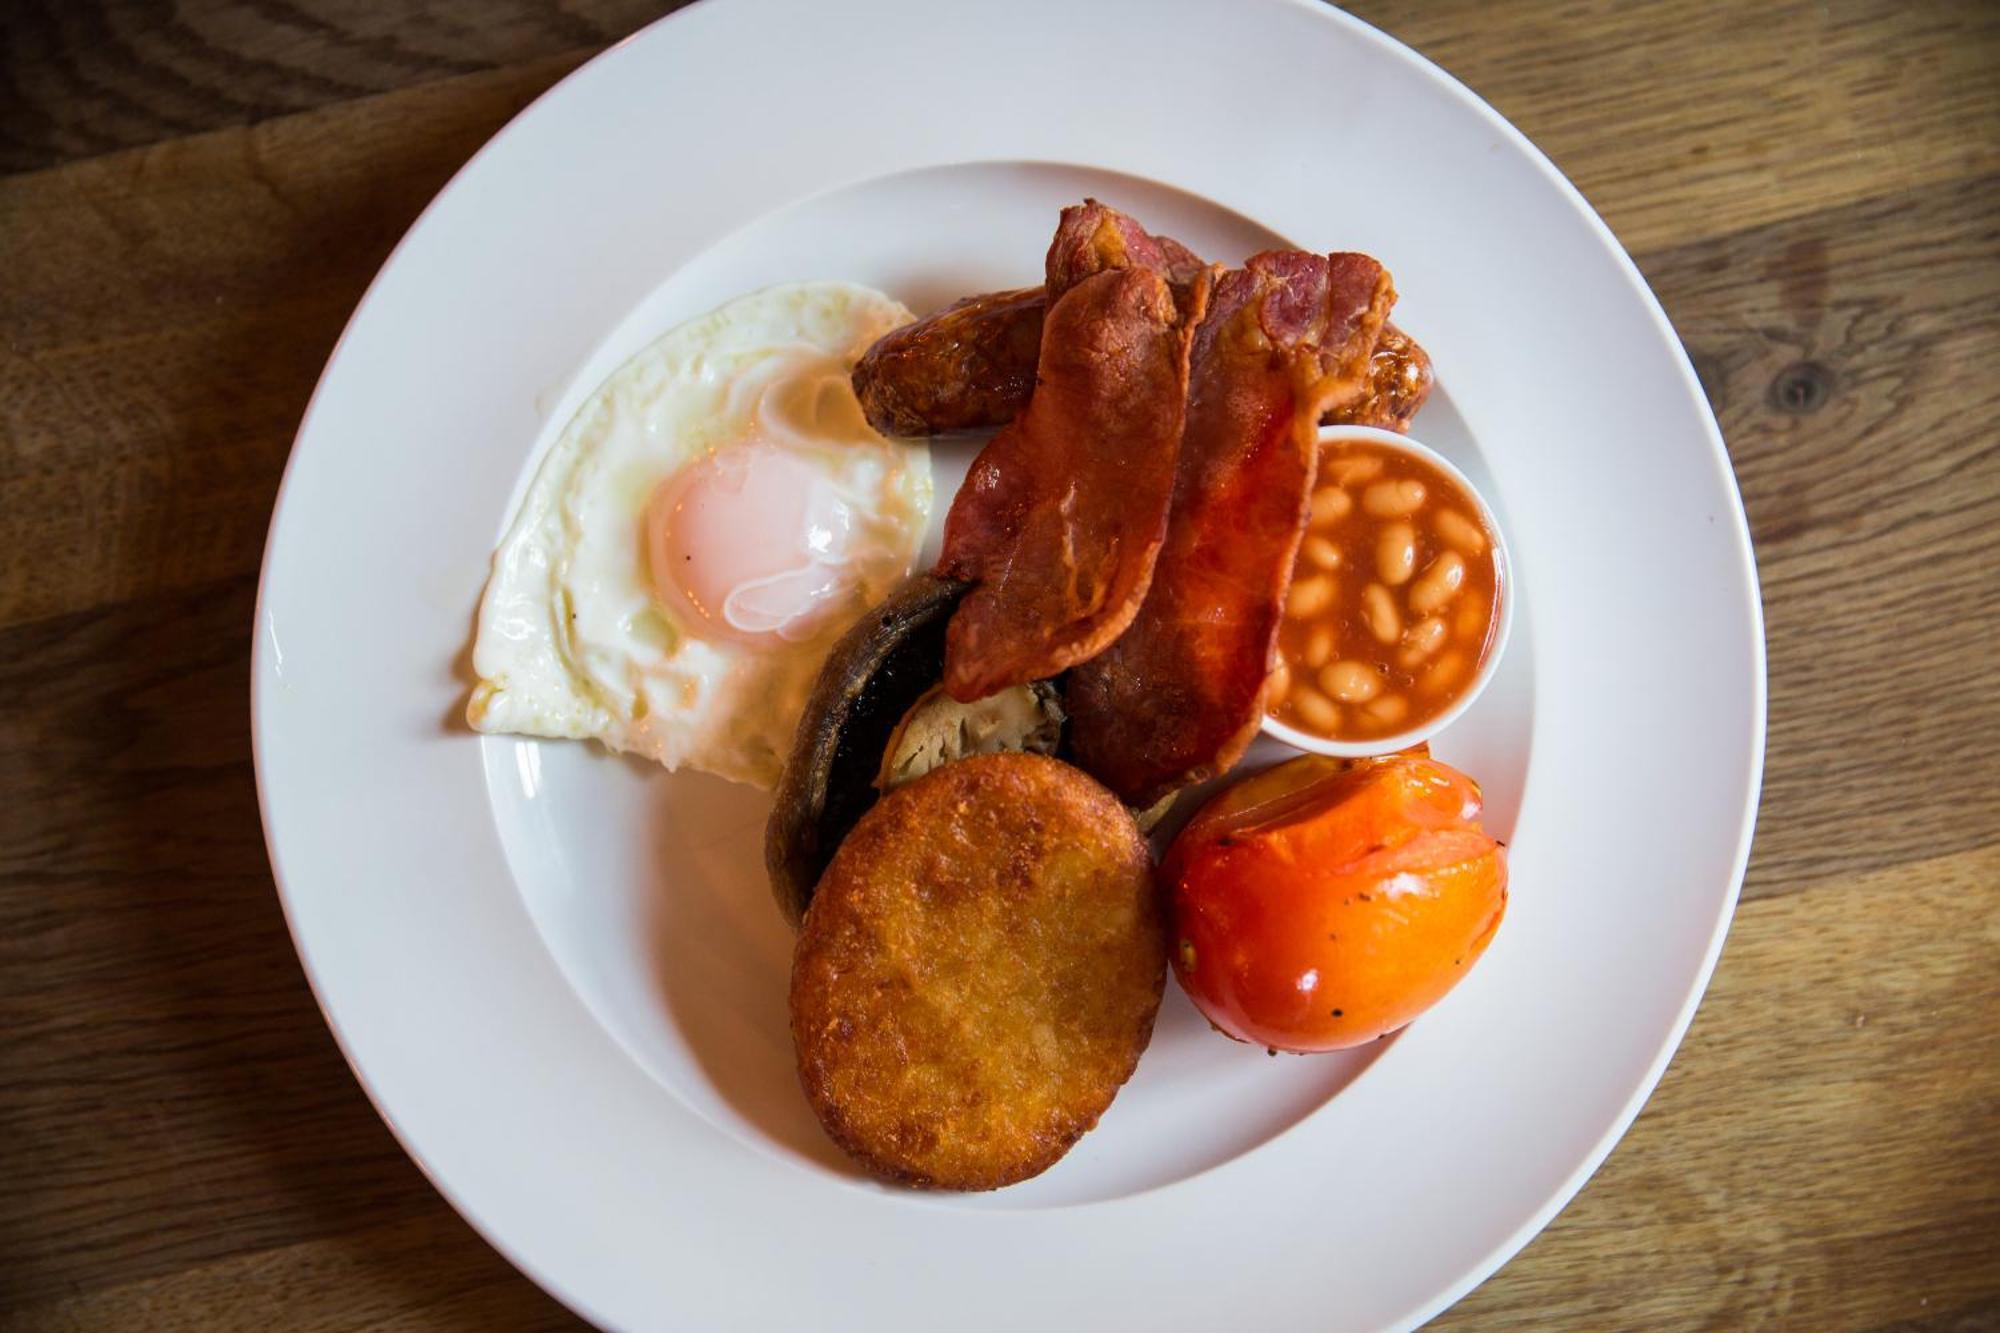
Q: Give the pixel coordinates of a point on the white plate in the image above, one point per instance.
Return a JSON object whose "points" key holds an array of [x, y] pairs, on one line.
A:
{"points": [[561, 977]]}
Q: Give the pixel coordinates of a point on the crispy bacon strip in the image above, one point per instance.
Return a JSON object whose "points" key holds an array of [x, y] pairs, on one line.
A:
{"points": [[1060, 519], [1179, 696], [1092, 237]]}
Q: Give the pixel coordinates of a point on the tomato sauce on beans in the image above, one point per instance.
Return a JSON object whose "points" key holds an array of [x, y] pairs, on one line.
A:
{"points": [[1395, 597]]}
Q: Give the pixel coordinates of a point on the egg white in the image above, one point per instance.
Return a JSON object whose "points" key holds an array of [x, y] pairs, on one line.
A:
{"points": [[572, 640]]}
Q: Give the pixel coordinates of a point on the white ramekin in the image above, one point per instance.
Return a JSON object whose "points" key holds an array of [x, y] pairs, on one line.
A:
{"points": [[1503, 579]]}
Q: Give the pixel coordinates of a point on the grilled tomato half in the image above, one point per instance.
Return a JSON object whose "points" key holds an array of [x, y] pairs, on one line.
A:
{"points": [[1326, 902]]}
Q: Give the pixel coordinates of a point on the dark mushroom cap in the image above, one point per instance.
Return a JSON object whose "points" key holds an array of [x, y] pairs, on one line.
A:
{"points": [[880, 667]]}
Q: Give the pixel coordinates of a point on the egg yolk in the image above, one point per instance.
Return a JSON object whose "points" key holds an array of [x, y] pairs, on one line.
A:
{"points": [[752, 541]]}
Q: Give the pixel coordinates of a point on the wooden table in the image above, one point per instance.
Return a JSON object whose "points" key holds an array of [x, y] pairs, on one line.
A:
{"points": [[198, 194]]}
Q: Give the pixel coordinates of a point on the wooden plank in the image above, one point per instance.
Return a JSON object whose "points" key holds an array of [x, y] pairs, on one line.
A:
{"points": [[428, 1273], [169, 1093], [1696, 118], [79, 78], [1847, 356], [156, 355], [1824, 1153]]}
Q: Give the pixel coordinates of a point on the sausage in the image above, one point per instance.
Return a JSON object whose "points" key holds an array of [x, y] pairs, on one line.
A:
{"points": [[971, 366]]}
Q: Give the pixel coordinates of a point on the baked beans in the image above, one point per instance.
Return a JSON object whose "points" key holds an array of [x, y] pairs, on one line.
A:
{"points": [[1395, 597]]}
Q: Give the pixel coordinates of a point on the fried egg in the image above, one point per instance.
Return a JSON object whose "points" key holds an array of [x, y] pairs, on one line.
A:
{"points": [[708, 523]]}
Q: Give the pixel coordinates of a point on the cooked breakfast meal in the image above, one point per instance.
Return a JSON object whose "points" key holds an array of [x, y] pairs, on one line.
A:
{"points": [[1166, 539]]}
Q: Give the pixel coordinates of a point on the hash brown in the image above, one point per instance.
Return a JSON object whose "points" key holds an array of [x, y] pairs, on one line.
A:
{"points": [[978, 972]]}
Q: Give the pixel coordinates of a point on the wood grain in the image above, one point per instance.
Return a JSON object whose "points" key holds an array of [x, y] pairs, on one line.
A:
{"points": [[1814, 190], [156, 356], [1842, 352], [1816, 1156], [1728, 114], [146, 978], [420, 1274], [79, 78], [1692, 120]]}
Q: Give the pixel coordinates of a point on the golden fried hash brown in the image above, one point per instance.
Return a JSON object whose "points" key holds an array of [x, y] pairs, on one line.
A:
{"points": [[978, 972]]}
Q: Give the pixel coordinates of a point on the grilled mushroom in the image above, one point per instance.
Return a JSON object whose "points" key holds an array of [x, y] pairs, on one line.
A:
{"points": [[884, 663]]}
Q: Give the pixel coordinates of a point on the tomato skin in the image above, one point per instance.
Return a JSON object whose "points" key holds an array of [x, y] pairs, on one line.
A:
{"points": [[1325, 902]]}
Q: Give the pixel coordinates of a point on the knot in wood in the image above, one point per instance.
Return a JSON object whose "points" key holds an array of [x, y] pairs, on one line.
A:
{"points": [[1802, 387]]}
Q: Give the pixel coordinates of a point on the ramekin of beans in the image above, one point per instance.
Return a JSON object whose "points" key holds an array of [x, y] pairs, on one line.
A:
{"points": [[1400, 603]]}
